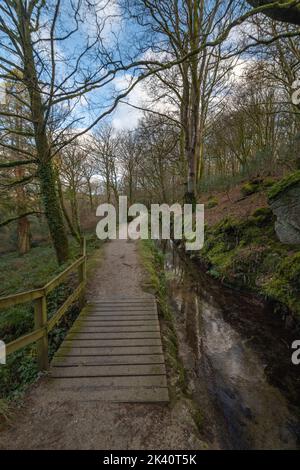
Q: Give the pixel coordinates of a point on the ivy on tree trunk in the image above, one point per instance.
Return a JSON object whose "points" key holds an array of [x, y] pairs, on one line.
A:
{"points": [[53, 211]]}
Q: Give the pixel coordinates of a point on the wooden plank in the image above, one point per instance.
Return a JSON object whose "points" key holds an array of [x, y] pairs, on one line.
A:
{"points": [[60, 277], [99, 343], [113, 352], [109, 351], [149, 300], [66, 305], [121, 308], [21, 298], [102, 360], [115, 335], [114, 329], [108, 370], [116, 299], [121, 314], [40, 321], [121, 317], [96, 383], [89, 322], [24, 340]]}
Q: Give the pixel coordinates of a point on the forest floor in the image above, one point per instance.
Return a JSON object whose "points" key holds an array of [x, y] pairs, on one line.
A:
{"points": [[232, 203], [48, 424]]}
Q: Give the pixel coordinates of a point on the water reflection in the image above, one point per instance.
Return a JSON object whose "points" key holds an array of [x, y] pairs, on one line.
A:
{"points": [[255, 413]]}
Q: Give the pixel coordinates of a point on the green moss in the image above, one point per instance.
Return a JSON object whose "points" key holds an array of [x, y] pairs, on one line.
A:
{"points": [[262, 216], [268, 182], [284, 283], [247, 253], [250, 187], [284, 184]]}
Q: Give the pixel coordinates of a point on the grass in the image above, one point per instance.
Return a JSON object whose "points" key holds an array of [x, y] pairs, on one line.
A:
{"points": [[20, 273]]}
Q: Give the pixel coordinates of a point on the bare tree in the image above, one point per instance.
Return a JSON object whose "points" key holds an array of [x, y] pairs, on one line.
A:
{"points": [[104, 151]]}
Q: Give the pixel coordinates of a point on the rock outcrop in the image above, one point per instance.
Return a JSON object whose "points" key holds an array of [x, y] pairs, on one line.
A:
{"points": [[284, 199]]}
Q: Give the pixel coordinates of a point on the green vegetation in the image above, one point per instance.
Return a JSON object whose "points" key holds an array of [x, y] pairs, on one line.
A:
{"points": [[24, 273], [283, 184], [247, 253], [250, 187]]}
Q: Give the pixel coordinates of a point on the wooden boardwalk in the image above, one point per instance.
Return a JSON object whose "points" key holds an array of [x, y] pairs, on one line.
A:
{"points": [[113, 352]]}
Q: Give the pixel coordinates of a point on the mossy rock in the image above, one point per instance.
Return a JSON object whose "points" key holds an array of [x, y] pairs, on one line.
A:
{"points": [[262, 216], [269, 182], [284, 184], [251, 187], [284, 199]]}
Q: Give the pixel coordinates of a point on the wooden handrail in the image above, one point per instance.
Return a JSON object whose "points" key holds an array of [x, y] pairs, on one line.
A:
{"points": [[42, 326], [20, 298]]}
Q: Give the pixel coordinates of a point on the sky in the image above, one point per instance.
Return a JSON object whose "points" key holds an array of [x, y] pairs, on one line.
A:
{"points": [[124, 117]]}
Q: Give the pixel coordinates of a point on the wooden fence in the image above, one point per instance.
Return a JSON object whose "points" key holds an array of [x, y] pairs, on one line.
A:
{"points": [[43, 325]]}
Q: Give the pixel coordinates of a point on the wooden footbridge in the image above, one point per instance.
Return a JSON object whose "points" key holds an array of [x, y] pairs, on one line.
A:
{"points": [[113, 352]]}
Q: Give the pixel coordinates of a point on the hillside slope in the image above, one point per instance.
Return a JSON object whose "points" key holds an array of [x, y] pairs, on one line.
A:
{"points": [[242, 249]]}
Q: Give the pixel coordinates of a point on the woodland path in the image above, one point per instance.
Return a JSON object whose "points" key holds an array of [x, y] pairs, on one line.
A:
{"points": [[55, 416]]}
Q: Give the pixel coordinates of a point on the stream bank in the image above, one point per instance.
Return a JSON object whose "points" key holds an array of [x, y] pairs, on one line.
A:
{"points": [[237, 362]]}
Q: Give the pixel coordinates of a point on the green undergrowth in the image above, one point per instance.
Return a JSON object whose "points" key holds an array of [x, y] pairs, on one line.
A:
{"points": [[247, 253], [156, 283], [21, 273]]}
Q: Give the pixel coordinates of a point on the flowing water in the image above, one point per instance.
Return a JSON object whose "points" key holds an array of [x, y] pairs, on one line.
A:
{"points": [[238, 355]]}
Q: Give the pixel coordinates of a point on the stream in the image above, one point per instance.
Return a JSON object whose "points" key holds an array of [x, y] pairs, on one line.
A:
{"points": [[237, 354]]}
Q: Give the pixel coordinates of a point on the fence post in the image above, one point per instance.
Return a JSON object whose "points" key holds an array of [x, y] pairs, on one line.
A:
{"points": [[40, 321]]}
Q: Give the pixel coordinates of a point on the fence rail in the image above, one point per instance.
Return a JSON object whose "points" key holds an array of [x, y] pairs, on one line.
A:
{"points": [[43, 325]]}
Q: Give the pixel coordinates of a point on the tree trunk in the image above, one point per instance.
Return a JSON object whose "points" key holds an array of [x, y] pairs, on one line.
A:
{"points": [[46, 174], [23, 235], [90, 195], [23, 223], [21, 199], [190, 195], [74, 211], [65, 212], [53, 211]]}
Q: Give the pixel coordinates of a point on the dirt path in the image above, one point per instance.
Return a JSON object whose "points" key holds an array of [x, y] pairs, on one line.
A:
{"points": [[44, 423]]}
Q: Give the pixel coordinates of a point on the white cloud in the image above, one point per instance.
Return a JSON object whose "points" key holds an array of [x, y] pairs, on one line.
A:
{"points": [[125, 116]]}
